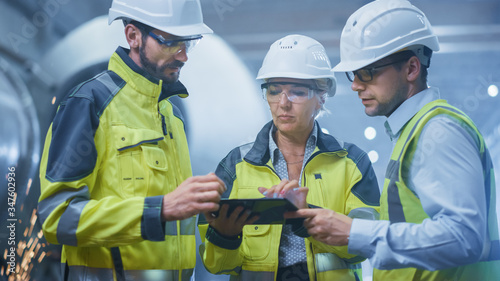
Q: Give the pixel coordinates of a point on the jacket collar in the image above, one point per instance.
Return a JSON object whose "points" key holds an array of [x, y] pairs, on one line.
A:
{"points": [[259, 153], [142, 79]]}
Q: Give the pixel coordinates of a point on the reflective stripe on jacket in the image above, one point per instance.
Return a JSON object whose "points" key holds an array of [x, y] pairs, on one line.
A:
{"points": [[400, 204], [339, 176], [111, 153]]}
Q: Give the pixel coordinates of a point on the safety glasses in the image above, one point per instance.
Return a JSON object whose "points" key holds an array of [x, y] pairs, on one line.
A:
{"points": [[295, 92], [366, 74], [175, 46]]}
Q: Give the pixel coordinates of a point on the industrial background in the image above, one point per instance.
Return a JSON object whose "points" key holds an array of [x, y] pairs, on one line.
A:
{"points": [[49, 46]]}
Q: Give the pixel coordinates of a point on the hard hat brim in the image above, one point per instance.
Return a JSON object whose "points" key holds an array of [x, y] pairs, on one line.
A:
{"points": [[293, 75], [189, 30], [351, 66]]}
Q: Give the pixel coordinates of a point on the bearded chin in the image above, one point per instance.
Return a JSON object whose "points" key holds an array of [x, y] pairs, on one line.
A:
{"points": [[172, 78], [155, 71]]}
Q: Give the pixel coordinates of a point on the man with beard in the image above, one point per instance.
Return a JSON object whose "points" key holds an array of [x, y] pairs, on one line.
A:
{"points": [[117, 189]]}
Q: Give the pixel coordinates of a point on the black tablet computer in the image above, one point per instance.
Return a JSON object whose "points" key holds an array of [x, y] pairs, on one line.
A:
{"points": [[269, 210]]}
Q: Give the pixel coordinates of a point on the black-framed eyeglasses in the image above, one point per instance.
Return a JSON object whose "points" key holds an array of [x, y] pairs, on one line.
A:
{"points": [[175, 46], [366, 74], [295, 93]]}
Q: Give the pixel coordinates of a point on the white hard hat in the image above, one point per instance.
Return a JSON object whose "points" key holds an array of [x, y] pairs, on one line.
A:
{"points": [[381, 28], [300, 57], [177, 17]]}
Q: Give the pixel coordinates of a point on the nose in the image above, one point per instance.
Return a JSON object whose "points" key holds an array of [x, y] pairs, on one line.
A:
{"points": [[357, 85], [181, 55], [284, 99]]}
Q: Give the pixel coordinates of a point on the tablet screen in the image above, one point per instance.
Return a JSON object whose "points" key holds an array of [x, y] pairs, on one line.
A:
{"points": [[269, 210]]}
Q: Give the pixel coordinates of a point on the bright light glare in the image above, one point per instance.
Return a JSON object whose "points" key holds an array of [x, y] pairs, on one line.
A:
{"points": [[373, 155], [370, 133], [325, 131], [493, 90]]}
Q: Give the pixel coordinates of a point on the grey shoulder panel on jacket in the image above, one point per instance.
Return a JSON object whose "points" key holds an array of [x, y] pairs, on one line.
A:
{"points": [[367, 189], [100, 89], [75, 125], [226, 170]]}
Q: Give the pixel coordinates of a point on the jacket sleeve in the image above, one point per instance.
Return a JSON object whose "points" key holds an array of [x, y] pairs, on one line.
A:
{"points": [[68, 174], [221, 255], [362, 200]]}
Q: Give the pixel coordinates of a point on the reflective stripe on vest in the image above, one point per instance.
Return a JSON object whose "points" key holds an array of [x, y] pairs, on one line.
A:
{"points": [[187, 227], [330, 261], [247, 275], [394, 206], [82, 273]]}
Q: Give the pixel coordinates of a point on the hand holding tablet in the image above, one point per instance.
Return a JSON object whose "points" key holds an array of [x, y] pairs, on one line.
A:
{"points": [[269, 210]]}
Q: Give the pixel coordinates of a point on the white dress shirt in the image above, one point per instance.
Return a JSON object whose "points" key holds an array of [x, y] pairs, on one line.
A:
{"points": [[447, 176]]}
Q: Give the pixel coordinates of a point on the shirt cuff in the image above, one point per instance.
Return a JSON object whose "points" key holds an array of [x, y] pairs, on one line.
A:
{"points": [[361, 236], [230, 243], [152, 228]]}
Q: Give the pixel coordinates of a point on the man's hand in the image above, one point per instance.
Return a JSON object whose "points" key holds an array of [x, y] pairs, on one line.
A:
{"points": [[199, 194], [325, 225], [232, 224], [289, 190]]}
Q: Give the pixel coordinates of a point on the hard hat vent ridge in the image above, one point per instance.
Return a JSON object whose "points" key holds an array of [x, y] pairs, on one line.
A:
{"points": [[288, 46]]}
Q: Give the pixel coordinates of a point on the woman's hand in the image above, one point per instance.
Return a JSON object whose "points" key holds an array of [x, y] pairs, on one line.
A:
{"points": [[289, 190]]}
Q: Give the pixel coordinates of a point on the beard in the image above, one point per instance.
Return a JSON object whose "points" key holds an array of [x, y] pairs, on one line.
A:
{"points": [[158, 71]]}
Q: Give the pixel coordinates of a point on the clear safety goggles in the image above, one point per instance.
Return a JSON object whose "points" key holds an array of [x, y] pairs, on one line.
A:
{"points": [[295, 92], [175, 46]]}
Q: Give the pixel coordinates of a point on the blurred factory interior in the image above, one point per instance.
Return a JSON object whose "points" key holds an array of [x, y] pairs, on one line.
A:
{"points": [[49, 46]]}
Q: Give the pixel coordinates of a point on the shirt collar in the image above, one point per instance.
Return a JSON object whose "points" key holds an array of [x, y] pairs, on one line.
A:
{"points": [[273, 147], [396, 121]]}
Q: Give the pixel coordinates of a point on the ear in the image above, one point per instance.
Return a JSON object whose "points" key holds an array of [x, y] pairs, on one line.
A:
{"points": [[414, 67], [133, 36], [322, 98], [321, 102]]}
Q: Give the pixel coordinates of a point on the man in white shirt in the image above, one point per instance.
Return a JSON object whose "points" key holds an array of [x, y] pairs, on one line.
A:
{"points": [[438, 219]]}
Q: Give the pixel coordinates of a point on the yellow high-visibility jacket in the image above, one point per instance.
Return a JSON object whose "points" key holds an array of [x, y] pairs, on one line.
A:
{"points": [[115, 147], [400, 204], [339, 176]]}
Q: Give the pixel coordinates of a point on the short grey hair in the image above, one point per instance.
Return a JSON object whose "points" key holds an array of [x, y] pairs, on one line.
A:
{"points": [[325, 86]]}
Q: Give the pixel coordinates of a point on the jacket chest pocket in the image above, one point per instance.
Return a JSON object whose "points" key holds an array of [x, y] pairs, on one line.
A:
{"points": [[256, 242], [142, 164]]}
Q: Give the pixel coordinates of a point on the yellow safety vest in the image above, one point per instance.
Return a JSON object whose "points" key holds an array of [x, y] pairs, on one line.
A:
{"points": [[399, 204]]}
